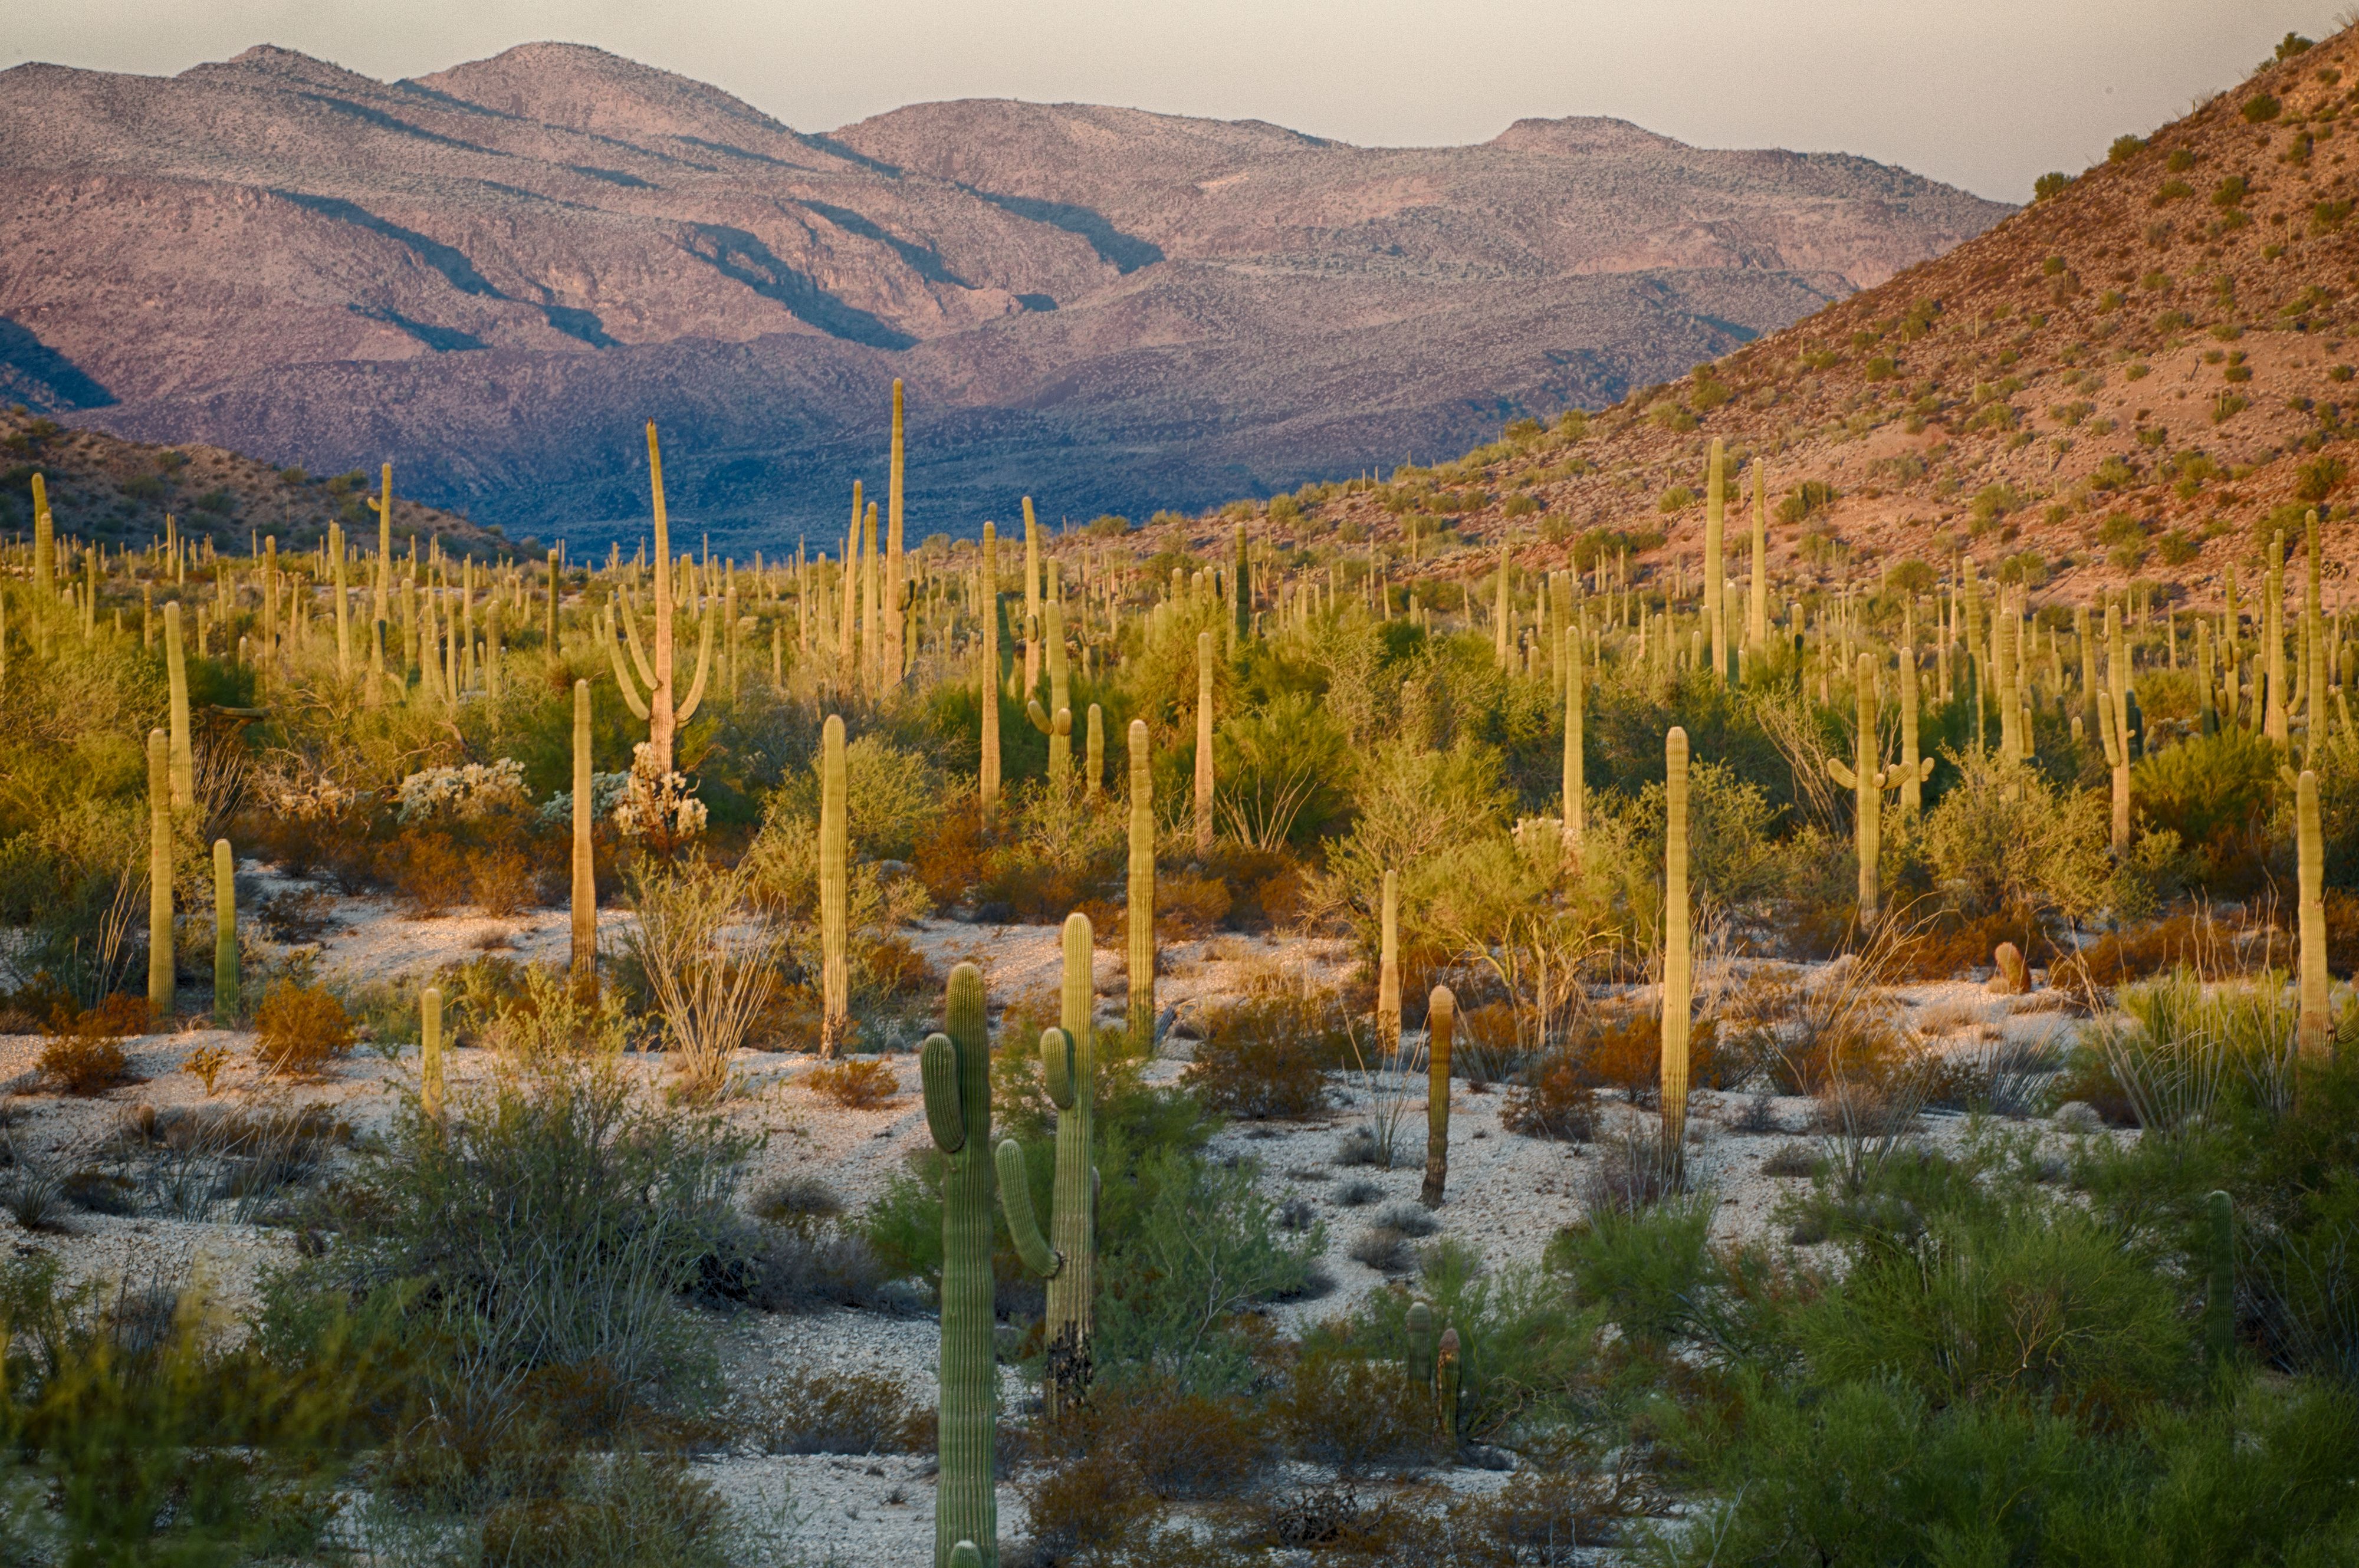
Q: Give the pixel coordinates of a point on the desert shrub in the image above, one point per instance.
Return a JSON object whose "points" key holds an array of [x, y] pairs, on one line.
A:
{"points": [[1527, 1349], [81, 1049], [544, 1228], [2000, 839], [298, 1029], [1557, 1099], [2215, 791], [710, 961], [2190, 939], [1091, 1510], [1268, 1055], [1178, 1446], [849, 1412], [1356, 1414], [2042, 1308], [1643, 1268], [855, 1085], [1281, 771]]}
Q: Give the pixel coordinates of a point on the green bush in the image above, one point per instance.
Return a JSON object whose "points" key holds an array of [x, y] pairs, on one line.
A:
{"points": [[1643, 1269]]}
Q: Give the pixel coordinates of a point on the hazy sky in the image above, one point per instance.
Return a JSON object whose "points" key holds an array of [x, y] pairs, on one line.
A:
{"points": [[1986, 93]]}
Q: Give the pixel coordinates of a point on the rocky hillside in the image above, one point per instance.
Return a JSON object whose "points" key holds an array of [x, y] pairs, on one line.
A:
{"points": [[490, 275], [2138, 376], [105, 488]]}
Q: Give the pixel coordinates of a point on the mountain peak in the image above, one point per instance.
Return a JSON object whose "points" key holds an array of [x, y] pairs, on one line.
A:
{"points": [[1580, 135], [583, 88], [276, 66]]}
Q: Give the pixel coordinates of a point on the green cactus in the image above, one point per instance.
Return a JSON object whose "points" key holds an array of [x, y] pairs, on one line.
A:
{"points": [[1449, 1379], [1440, 1015], [1575, 787], [2275, 722], [585, 880], [1093, 755], [1138, 914], [1913, 771], [429, 1051], [159, 874], [1068, 1260], [176, 670], [897, 624], [663, 715], [225, 979], [1757, 618], [336, 553], [1867, 782], [1203, 742], [834, 846], [2114, 725], [1678, 998], [1420, 1344], [45, 553], [965, 1554], [2219, 1277], [1240, 590], [2315, 1027], [1716, 565], [989, 785], [955, 1066], [1059, 728], [1388, 981], [2207, 708]]}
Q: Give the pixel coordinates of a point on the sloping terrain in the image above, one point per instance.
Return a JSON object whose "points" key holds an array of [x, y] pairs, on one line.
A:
{"points": [[2140, 377], [491, 273]]}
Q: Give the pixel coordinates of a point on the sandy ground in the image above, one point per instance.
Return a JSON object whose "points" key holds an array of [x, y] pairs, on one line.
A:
{"points": [[1507, 1195]]}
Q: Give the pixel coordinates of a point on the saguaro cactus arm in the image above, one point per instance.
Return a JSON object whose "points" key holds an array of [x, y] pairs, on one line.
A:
{"points": [[1016, 1202], [938, 1072], [704, 669], [1841, 772], [631, 697]]}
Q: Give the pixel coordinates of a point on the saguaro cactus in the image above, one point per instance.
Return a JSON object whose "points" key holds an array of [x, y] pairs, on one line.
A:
{"points": [[1913, 768], [159, 874], [1240, 589], [1440, 1015], [1757, 618], [1575, 790], [225, 978], [585, 879], [1067, 1259], [1868, 782], [1388, 979], [1056, 721], [1093, 755], [429, 1051], [2114, 725], [1715, 569], [1138, 914], [1678, 998], [2219, 1276], [955, 1066], [664, 716], [1203, 742], [834, 846], [176, 672], [989, 787], [2314, 1031]]}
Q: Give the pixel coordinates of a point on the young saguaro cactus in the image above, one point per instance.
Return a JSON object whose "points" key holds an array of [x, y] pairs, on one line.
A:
{"points": [[2314, 1028], [1868, 782], [1440, 1017], [1679, 997], [1068, 1258], [1203, 742], [586, 879], [1388, 983], [1575, 788], [989, 784], [1914, 769], [1093, 753], [1138, 913], [225, 977], [955, 1066], [834, 847], [160, 875], [429, 1051]]}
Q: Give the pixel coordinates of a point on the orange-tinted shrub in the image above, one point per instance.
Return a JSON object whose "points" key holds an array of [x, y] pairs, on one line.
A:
{"points": [[948, 861], [1189, 905], [503, 881], [299, 1030], [2184, 940], [855, 1085], [83, 1051]]}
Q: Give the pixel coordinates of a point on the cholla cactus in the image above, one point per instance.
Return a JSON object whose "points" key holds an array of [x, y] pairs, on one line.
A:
{"points": [[956, 1069], [658, 805], [1867, 782], [1069, 1062], [466, 794]]}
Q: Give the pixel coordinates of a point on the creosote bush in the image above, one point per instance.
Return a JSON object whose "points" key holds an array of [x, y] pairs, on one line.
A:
{"points": [[298, 1029]]}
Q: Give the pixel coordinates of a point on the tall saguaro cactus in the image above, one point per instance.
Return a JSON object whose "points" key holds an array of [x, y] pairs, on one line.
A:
{"points": [[2314, 1030], [585, 879], [663, 715], [1756, 617], [955, 1066], [1679, 980], [835, 848], [1388, 979], [2114, 725], [1138, 914], [1068, 1258], [1203, 742], [1440, 1019], [159, 874], [1575, 788], [896, 622], [176, 670], [1913, 770], [1867, 782], [225, 976], [1715, 566], [1093, 753], [988, 787]]}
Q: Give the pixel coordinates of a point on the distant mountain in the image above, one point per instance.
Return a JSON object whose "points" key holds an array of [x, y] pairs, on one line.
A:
{"points": [[493, 274], [2140, 377]]}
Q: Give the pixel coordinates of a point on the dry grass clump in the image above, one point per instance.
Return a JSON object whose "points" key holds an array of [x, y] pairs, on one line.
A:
{"points": [[299, 1030], [852, 1412], [855, 1085], [82, 1050]]}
